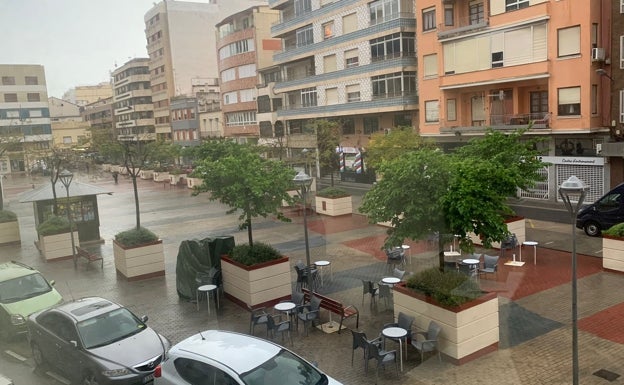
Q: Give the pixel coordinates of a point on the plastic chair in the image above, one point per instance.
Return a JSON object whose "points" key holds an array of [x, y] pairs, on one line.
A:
{"points": [[279, 327], [398, 273], [258, 316], [427, 341], [404, 321], [361, 342], [490, 265], [368, 287], [310, 313], [382, 357], [385, 293]]}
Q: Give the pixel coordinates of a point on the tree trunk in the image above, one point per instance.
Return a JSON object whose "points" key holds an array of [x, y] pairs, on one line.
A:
{"points": [[249, 231], [441, 252], [136, 201]]}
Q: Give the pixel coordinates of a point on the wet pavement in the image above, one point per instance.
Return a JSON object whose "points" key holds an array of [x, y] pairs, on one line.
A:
{"points": [[534, 300]]}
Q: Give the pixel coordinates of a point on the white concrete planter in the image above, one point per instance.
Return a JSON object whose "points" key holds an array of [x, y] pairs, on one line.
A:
{"points": [[261, 284], [292, 193], [334, 206], [194, 182], [140, 262], [468, 331], [612, 253], [106, 166], [58, 246], [161, 176], [9, 233], [122, 170], [147, 174], [175, 178], [516, 226]]}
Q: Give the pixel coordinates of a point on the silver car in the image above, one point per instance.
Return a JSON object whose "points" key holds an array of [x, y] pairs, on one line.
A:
{"points": [[229, 358], [96, 341]]}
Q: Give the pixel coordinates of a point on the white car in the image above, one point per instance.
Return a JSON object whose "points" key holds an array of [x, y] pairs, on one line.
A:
{"points": [[229, 358]]}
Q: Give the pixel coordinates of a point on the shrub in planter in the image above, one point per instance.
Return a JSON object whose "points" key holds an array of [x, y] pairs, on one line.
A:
{"points": [[7, 216], [332, 192], [53, 225], [136, 237], [615, 231], [249, 256], [447, 288]]}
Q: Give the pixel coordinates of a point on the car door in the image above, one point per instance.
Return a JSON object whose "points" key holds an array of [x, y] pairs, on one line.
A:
{"points": [[71, 358]]}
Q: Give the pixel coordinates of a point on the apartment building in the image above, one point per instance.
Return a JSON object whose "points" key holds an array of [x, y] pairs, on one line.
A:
{"points": [[181, 44], [244, 44], [69, 130], [509, 64], [351, 61], [83, 95], [132, 101], [184, 121], [99, 116], [24, 117]]}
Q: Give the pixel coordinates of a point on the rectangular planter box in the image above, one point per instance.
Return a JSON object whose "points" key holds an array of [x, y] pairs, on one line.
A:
{"points": [[161, 176], [140, 262], [612, 253], [334, 206], [57, 246], [9, 233], [257, 285], [175, 178], [147, 174], [292, 193], [468, 332], [516, 226], [192, 182]]}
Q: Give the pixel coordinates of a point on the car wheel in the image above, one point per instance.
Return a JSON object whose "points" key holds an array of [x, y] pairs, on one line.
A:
{"points": [[37, 355], [592, 229], [89, 379]]}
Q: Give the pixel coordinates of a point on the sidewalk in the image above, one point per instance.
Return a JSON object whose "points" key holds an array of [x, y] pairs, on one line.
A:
{"points": [[535, 300]]}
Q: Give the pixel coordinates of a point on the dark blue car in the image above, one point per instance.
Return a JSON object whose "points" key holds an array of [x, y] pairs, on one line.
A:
{"points": [[602, 214]]}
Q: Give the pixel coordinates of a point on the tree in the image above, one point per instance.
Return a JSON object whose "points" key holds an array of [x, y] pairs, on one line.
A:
{"points": [[457, 193], [239, 177], [387, 146], [327, 139], [8, 143]]}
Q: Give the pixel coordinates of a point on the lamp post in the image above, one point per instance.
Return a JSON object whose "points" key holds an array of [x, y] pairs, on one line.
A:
{"points": [[574, 189], [305, 181], [66, 178], [305, 158]]}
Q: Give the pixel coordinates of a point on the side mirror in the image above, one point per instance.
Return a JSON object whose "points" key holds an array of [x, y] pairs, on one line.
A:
{"points": [[144, 319], [74, 344]]}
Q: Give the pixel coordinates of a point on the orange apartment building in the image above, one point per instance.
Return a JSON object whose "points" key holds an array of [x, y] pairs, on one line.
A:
{"points": [[508, 64]]}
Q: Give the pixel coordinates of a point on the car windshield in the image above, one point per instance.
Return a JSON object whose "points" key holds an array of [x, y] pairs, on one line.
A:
{"points": [[21, 288], [108, 328], [285, 368]]}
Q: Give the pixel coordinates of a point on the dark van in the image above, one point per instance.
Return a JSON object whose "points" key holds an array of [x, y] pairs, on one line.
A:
{"points": [[602, 214]]}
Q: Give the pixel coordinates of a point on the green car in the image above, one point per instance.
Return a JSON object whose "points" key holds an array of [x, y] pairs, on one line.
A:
{"points": [[23, 291]]}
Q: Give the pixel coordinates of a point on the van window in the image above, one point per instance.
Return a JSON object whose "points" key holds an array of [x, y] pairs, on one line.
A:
{"points": [[609, 202]]}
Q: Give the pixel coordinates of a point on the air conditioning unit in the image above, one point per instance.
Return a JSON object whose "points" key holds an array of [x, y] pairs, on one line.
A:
{"points": [[598, 54]]}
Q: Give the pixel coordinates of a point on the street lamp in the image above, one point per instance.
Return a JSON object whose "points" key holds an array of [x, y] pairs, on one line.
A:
{"points": [[66, 178], [305, 181], [571, 190], [305, 158]]}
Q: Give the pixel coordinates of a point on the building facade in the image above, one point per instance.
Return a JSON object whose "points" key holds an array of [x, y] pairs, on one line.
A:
{"points": [[25, 128], [509, 64], [83, 95], [68, 128], [99, 117], [133, 109]]}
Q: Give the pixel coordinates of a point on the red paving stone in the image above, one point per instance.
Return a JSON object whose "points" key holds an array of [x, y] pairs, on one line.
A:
{"points": [[324, 224], [607, 324], [374, 245]]}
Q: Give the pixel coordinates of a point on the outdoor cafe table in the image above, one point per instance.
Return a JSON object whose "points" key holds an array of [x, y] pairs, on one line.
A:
{"points": [[286, 307], [399, 334], [390, 280]]}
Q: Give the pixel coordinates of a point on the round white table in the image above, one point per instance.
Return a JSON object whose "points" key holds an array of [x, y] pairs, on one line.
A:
{"points": [[287, 308], [534, 244], [206, 289], [474, 264], [399, 334], [321, 265], [390, 280]]}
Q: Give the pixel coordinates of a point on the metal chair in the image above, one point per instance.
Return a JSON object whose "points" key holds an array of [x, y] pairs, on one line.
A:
{"points": [[510, 243], [398, 273], [368, 287], [490, 265], [258, 316], [279, 327], [404, 321], [428, 341], [385, 293], [361, 342], [396, 256], [310, 313], [382, 357]]}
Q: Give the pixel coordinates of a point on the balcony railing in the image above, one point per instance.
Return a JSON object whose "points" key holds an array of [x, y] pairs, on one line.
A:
{"points": [[462, 25]]}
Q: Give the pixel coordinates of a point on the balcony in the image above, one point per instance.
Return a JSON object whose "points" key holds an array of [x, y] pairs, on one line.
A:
{"points": [[506, 122], [462, 26]]}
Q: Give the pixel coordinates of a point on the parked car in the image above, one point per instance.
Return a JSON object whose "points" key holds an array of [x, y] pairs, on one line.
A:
{"points": [[23, 291], [96, 341], [602, 214], [229, 358]]}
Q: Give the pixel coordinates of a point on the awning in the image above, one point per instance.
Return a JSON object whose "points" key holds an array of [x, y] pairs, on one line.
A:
{"points": [[76, 189]]}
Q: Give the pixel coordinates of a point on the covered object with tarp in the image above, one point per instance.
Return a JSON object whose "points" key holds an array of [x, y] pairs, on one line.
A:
{"points": [[199, 263]]}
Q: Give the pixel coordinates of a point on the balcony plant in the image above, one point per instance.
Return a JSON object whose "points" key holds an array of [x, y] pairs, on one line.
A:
{"points": [[9, 227], [613, 248], [456, 303], [55, 238], [333, 201]]}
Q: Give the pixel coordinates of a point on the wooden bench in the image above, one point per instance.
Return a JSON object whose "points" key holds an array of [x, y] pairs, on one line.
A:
{"points": [[329, 304], [89, 256]]}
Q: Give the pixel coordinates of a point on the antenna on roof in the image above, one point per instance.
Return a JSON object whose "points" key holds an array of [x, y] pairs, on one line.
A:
{"points": [[202, 336]]}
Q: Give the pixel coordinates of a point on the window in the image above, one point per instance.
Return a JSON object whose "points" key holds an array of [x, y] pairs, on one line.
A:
{"points": [[67, 140], [8, 80], [308, 97], [348, 126], [305, 36], [539, 102], [391, 46], [240, 118], [429, 19], [247, 71], [432, 111], [512, 5], [271, 77], [497, 59], [228, 75], [451, 110], [353, 93], [197, 372], [569, 103], [248, 95], [594, 99], [449, 15], [33, 97], [430, 65], [393, 85], [476, 12], [622, 51], [302, 7], [402, 120], [331, 96], [329, 63], [349, 23], [10, 98], [328, 30], [264, 104], [31, 80], [569, 41], [230, 98], [383, 10], [371, 125], [351, 58]]}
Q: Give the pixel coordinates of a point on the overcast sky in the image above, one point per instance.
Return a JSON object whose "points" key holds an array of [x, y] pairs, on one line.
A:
{"points": [[77, 41]]}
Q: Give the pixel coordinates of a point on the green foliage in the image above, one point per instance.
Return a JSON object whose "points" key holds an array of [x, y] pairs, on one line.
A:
{"points": [[385, 147], [236, 175], [53, 225], [136, 237], [327, 139], [252, 255], [7, 216], [447, 288], [615, 231], [332, 192]]}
